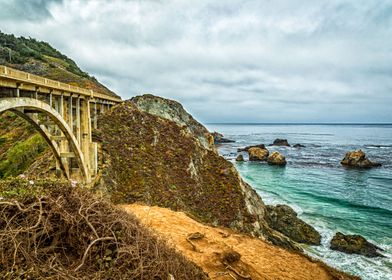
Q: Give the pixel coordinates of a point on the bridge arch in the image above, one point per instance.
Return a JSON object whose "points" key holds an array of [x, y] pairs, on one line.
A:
{"points": [[22, 105]]}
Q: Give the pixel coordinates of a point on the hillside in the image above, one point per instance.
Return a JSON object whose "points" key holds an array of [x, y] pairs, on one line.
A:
{"points": [[40, 58]]}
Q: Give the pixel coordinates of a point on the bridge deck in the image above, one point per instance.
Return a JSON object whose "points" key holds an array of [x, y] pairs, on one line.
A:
{"points": [[10, 77]]}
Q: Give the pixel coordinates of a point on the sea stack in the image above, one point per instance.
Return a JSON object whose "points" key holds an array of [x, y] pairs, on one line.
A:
{"points": [[358, 159], [258, 154], [219, 138], [354, 244], [245, 149], [277, 158], [240, 158], [280, 142]]}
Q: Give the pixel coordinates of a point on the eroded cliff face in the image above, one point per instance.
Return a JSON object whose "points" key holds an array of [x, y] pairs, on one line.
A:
{"points": [[174, 111], [160, 161]]}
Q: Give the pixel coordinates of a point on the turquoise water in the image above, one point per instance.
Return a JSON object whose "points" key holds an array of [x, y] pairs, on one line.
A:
{"points": [[325, 194]]}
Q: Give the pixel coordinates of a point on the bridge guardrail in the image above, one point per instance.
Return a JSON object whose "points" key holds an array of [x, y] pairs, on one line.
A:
{"points": [[28, 78]]}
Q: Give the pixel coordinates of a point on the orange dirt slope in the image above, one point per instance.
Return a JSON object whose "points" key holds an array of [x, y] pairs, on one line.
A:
{"points": [[259, 260]]}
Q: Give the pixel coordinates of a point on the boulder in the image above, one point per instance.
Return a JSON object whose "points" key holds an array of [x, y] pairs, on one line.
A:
{"points": [[261, 146], [284, 219], [354, 244], [358, 159], [240, 158], [258, 154], [219, 138], [280, 142], [299, 146], [276, 158]]}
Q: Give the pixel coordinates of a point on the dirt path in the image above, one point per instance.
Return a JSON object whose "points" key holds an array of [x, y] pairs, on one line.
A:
{"points": [[259, 260]]}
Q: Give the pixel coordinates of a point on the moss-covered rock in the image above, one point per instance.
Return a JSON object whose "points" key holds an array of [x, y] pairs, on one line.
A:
{"points": [[258, 154], [277, 158], [354, 244], [284, 219], [358, 159]]}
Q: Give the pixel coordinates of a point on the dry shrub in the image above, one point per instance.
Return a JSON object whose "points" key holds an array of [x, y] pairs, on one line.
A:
{"points": [[230, 257], [51, 230]]}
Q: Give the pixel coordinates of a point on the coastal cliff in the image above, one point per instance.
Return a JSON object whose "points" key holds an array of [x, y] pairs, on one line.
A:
{"points": [[151, 155]]}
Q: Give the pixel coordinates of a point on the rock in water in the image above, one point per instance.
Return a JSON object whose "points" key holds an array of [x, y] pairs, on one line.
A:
{"points": [[354, 244], [299, 146], [284, 219], [280, 142], [240, 158], [261, 146], [277, 158], [358, 159], [258, 154], [219, 138]]}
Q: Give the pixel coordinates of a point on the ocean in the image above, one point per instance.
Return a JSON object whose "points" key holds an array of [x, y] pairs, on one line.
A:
{"points": [[325, 194]]}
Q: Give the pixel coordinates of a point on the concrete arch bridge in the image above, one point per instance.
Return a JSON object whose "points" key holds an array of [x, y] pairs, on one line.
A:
{"points": [[63, 114]]}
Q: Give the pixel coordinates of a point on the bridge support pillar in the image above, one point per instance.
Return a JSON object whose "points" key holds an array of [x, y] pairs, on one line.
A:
{"points": [[85, 126]]}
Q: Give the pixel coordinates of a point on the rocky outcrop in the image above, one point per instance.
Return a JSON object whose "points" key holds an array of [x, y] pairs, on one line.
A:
{"points": [[358, 159], [280, 142], [157, 161], [284, 219], [354, 244], [174, 111], [261, 146], [240, 158], [277, 158], [219, 138], [299, 146], [258, 154]]}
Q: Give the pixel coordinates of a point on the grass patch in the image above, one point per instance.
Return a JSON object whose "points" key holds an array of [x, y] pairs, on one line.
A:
{"points": [[21, 155]]}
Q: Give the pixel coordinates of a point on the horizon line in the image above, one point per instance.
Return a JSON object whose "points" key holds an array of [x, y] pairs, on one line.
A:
{"points": [[295, 123]]}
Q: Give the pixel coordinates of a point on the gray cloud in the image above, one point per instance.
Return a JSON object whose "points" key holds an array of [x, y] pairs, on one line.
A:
{"points": [[22, 10], [251, 61]]}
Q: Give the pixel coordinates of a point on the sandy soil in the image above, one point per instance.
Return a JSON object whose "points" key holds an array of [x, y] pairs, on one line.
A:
{"points": [[259, 260]]}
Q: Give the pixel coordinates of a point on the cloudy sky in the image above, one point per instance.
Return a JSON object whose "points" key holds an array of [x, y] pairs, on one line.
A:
{"points": [[228, 61]]}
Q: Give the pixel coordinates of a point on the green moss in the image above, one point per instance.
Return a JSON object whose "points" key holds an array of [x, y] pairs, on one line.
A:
{"points": [[21, 155]]}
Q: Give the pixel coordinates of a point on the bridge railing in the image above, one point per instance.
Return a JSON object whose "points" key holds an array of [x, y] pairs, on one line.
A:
{"points": [[24, 77]]}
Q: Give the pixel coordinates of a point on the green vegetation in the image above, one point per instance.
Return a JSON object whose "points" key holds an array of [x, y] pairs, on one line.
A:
{"points": [[20, 50], [40, 58], [22, 155]]}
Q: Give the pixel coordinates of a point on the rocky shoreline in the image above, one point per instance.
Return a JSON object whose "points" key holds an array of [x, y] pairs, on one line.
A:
{"points": [[284, 219]]}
